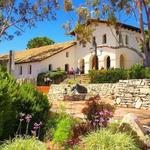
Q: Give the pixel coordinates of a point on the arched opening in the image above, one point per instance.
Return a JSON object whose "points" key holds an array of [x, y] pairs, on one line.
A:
{"points": [[81, 66], [107, 62], [93, 62], [67, 67], [122, 61]]}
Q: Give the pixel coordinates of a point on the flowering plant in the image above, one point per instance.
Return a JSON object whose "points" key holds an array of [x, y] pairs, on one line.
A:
{"points": [[101, 118], [27, 119], [98, 113], [78, 130]]}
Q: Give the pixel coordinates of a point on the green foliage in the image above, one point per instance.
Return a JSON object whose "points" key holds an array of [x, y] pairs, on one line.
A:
{"points": [[63, 131], [136, 72], [39, 41], [14, 99], [9, 92], [107, 76], [24, 144], [117, 127], [25, 14], [51, 125], [56, 77], [106, 140], [30, 101], [83, 32], [147, 72], [3, 67], [68, 5], [72, 81]]}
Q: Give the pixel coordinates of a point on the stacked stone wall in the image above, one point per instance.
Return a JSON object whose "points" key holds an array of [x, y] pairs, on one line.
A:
{"points": [[127, 93], [133, 93]]}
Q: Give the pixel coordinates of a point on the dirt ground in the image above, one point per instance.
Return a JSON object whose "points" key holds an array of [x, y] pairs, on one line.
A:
{"points": [[74, 108]]}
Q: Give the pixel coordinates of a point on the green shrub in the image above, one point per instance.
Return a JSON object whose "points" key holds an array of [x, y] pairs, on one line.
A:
{"points": [[117, 127], [106, 140], [63, 131], [24, 144], [51, 125], [147, 72], [14, 99], [72, 81], [32, 102], [136, 72], [107, 76], [9, 92], [56, 77]]}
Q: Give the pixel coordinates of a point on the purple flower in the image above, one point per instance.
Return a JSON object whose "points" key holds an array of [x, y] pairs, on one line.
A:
{"points": [[101, 113], [40, 124], [37, 126], [96, 120], [22, 115], [28, 118], [110, 113], [106, 111], [94, 124], [21, 119], [33, 132], [101, 120]]}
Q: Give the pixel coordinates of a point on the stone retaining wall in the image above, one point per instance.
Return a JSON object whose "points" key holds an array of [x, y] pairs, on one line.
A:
{"points": [[57, 92], [133, 93], [127, 93]]}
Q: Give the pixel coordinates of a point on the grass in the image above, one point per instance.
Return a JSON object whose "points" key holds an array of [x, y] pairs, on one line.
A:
{"points": [[21, 143], [104, 139]]}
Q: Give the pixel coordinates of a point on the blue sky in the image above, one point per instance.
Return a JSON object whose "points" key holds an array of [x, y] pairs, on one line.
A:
{"points": [[52, 29]]}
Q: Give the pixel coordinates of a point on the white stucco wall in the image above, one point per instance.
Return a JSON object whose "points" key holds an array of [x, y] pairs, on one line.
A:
{"points": [[25, 70], [100, 30], [133, 38], [57, 61], [78, 53], [130, 57]]}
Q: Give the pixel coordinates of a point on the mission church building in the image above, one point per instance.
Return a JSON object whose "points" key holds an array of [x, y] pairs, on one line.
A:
{"points": [[114, 50]]}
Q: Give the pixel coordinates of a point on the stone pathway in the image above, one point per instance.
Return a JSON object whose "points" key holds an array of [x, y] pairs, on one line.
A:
{"points": [[74, 108]]}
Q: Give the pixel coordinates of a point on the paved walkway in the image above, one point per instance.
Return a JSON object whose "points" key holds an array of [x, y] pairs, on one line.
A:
{"points": [[75, 107]]}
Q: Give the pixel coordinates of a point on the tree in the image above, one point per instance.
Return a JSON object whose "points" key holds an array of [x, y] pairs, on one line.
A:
{"points": [[39, 41], [111, 10], [19, 14], [141, 11]]}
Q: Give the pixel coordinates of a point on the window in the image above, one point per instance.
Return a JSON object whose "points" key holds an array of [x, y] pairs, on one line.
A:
{"points": [[120, 39], [30, 69], [66, 67], [50, 67], [127, 40], [20, 70], [104, 39], [67, 54]]}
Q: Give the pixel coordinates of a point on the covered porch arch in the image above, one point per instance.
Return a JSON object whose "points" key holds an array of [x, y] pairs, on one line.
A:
{"points": [[93, 62]]}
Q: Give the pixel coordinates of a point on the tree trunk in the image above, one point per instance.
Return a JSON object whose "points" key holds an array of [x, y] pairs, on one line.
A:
{"points": [[143, 37], [95, 63]]}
